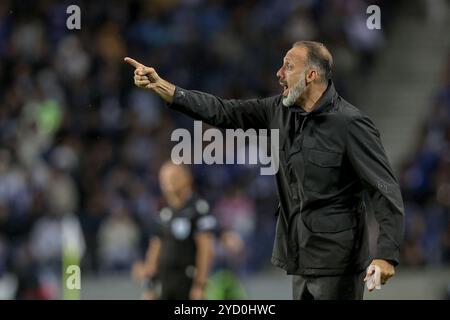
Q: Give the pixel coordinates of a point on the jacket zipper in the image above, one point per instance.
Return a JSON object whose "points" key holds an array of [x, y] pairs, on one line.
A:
{"points": [[303, 122], [301, 130], [297, 247]]}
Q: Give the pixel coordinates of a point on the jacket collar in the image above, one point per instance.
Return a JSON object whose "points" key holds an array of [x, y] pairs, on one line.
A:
{"points": [[325, 101]]}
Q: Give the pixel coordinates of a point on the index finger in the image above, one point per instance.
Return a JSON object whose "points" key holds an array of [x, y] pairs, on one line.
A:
{"points": [[133, 62]]}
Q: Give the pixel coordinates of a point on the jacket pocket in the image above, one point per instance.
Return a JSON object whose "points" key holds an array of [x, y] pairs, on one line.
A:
{"points": [[327, 242], [322, 170]]}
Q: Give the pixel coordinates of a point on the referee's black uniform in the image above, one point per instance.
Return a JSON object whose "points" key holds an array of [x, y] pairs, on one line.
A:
{"points": [[328, 157], [177, 230]]}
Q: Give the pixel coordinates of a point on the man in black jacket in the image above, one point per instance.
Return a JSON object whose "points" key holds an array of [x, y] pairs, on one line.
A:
{"points": [[330, 154]]}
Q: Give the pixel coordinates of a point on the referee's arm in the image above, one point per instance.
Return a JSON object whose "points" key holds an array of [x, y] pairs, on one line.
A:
{"points": [[203, 262], [152, 256]]}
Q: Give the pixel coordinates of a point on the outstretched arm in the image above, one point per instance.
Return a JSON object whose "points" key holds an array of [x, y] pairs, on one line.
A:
{"points": [[251, 113], [147, 78]]}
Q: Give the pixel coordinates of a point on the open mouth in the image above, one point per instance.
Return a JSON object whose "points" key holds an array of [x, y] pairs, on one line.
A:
{"points": [[285, 89]]}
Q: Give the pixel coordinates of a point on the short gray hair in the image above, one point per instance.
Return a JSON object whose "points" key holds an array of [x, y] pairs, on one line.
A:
{"points": [[319, 57]]}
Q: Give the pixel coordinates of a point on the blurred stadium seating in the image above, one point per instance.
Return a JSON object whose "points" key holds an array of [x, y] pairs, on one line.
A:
{"points": [[77, 139]]}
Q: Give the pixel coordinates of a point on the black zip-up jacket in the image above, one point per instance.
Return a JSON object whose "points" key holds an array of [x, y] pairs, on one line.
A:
{"points": [[328, 158]]}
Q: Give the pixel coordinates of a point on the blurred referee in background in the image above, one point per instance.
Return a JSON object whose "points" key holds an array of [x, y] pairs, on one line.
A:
{"points": [[180, 254], [330, 156]]}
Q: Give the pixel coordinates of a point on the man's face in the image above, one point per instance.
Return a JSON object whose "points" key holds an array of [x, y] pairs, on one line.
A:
{"points": [[292, 74], [173, 179]]}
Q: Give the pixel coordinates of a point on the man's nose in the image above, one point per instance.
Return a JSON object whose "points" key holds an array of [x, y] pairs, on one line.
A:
{"points": [[280, 73]]}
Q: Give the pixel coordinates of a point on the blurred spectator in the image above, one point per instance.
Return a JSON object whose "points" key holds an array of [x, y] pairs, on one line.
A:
{"points": [[118, 240], [425, 180], [77, 139]]}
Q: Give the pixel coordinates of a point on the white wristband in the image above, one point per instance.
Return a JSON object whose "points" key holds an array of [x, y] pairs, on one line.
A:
{"points": [[374, 281]]}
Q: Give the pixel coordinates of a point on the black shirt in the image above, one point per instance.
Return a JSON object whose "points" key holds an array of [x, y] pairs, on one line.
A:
{"points": [[177, 230]]}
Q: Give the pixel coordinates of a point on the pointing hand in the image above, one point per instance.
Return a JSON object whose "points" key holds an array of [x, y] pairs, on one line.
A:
{"points": [[144, 77]]}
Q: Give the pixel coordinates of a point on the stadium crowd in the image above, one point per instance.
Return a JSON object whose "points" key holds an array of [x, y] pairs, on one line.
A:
{"points": [[425, 180], [78, 142]]}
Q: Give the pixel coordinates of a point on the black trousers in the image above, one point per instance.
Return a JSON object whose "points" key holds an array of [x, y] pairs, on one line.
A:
{"points": [[342, 287]]}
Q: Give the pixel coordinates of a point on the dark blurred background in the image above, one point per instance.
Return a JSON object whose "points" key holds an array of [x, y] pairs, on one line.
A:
{"points": [[80, 146]]}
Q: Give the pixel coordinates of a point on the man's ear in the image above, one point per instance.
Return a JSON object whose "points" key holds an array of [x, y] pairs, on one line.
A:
{"points": [[311, 75]]}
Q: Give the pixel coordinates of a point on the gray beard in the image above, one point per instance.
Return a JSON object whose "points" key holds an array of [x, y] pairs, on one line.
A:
{"points": [[295, 92]]}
